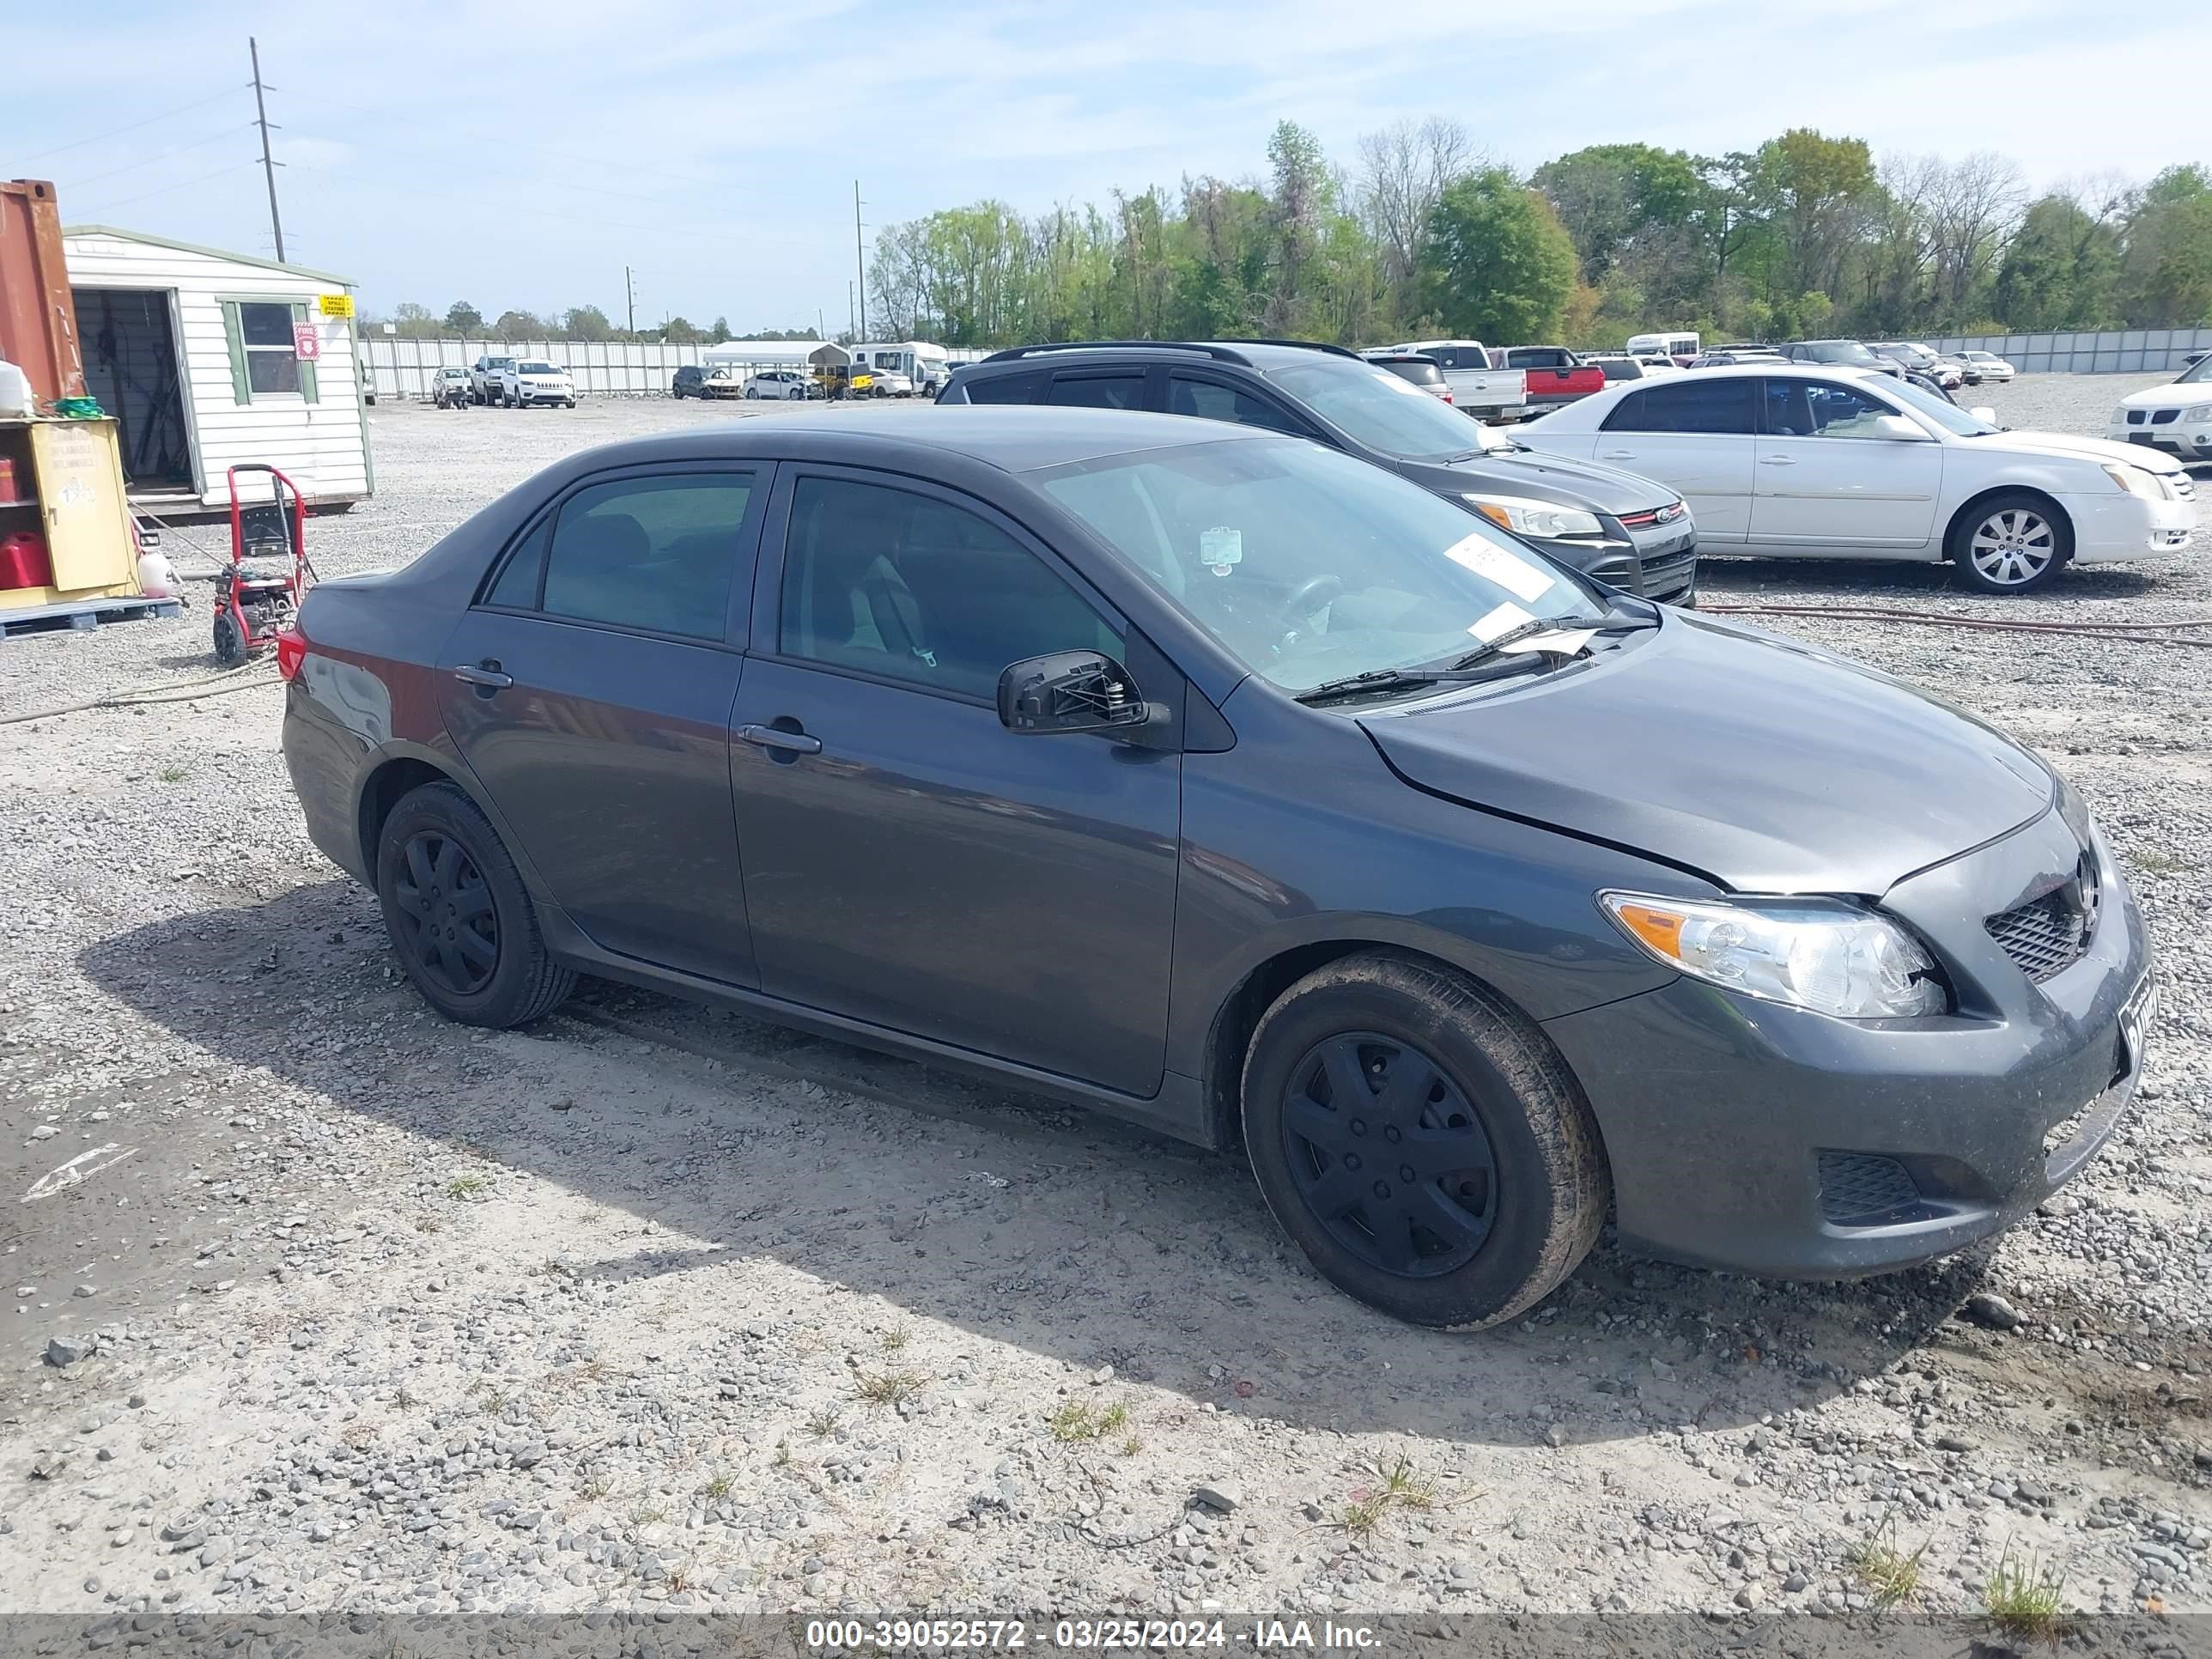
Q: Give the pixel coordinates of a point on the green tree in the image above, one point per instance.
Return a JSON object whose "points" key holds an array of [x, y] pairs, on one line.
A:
{"points": [[1500, 265], [586, 323], [462, 318], [2165, 270], [1606, 193], [414, 322], [719, 332], [1302, 196], [1816, 196], [2059, 270], [521, 325], [680, 331]]}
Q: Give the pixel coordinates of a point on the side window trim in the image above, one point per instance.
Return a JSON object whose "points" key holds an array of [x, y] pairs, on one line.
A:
{"points": [[1147, 377], [745, 554], [769, 567]]}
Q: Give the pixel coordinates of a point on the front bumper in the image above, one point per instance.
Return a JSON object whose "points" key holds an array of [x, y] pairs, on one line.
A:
{"points": [[2124, 526], [1658, 561], [2188, 440], [545, 394], [1753, 1137]]}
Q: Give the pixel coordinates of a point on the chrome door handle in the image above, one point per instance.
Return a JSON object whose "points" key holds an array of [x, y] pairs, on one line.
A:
{"points": [[768, 737], [1775, 460], [489, 679], [1618, 455]]}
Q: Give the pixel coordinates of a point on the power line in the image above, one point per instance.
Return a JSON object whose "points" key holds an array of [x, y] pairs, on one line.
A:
{"points": [[117, 132], [176, 149], [181, 184]]}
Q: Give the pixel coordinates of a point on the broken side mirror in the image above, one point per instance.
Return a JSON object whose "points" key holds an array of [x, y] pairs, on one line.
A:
{"points": [[1072, 692]]}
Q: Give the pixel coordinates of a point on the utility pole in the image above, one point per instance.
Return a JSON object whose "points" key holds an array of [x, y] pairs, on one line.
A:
{"points": [[852, 318], [268, 166], [629, 296], [859, 266]]}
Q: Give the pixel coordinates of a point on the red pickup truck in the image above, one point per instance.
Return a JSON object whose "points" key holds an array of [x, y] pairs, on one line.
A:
{"points": [[1556, 375]]}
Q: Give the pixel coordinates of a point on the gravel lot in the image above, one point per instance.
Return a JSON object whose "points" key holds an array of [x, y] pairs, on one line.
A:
{"points": [[335, 1305]]}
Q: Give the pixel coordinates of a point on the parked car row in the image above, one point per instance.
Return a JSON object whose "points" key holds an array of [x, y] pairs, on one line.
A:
{"points": [[508, 382], [1231, 739]]}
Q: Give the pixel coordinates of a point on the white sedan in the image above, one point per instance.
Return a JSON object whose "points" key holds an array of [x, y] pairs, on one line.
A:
{"points": [[1778, 460], [2176, 418], [787, 385], [1988, 365]]}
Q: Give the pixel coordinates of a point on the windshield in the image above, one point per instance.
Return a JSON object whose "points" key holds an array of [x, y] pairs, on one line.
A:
{"points": [[1392, 417], [1945, 413], [1840, 351], [1308, 564], [2199, 373], [538, 368]]}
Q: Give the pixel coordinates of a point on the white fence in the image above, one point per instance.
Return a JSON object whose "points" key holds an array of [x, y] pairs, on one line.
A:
{"points": [[603, 369], [2114, 351]]}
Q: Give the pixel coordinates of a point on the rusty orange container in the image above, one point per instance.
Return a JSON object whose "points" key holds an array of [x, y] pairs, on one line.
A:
{"points": [[38, 319]]}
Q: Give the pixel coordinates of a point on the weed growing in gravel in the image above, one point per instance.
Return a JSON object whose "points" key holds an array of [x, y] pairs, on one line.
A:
{"points": [[1404, 1488], [468, 1185], [595, 1487], [2151, 862], [647, 1513], [783, 1454], [2022, 1597], [493, 1403], [823, 1424], [404, 1400], [895, 1340], [720, 1486], [888, 1387], [1075, 1420], [173, 773], [1890, 1576]]}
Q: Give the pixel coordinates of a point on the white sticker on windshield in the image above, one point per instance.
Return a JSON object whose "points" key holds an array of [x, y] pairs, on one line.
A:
{"points": [[1219, 548], [1516, 576], [1566, 644], [1504, 620]]}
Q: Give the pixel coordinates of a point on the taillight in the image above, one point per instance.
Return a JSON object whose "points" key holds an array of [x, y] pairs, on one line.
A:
{"points": [[291, 652]]}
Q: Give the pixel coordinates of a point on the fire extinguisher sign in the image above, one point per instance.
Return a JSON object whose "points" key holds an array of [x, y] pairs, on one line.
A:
{"points": [[306, 342]]}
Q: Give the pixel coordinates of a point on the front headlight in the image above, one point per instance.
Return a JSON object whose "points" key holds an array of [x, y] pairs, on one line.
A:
{"points": [[1809, 953], [1538, 519], [2202, 412], [2135, 481]]}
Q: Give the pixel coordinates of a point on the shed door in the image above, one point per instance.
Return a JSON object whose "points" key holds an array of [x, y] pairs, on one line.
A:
{"points": [[80, 490]]}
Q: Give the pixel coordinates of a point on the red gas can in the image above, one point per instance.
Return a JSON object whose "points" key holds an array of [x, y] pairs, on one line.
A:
{"points": [[23, 560]]}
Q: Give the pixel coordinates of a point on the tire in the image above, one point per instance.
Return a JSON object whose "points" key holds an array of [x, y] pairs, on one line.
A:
{"points": [[2013, 541], [230, 648], [439, 861], [1500, 1183]]}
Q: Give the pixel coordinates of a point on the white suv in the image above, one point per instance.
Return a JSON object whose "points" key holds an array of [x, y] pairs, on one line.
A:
{"points": [[530, 381], [785, 384]]}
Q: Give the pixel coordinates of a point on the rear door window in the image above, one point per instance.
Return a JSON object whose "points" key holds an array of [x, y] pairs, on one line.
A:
{"points": [[1216, 400], [1687, 405], [1003, 388], [657, 553], [1099, 391]]}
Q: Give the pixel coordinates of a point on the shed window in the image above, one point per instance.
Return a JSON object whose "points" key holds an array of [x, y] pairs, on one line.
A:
{"points": [[263, 356]]}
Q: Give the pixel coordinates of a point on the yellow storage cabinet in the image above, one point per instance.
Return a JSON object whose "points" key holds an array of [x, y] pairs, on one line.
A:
{"points": [[69, 484]]}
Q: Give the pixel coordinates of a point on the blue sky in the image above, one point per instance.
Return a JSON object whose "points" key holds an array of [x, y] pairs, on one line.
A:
{"points": [[521, 154]]}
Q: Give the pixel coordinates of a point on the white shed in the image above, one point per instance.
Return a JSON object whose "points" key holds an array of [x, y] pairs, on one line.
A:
{"points": [[196, 353]]}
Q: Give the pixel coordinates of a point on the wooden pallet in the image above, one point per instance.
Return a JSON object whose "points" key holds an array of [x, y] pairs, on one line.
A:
{"points": [[83, 614]]}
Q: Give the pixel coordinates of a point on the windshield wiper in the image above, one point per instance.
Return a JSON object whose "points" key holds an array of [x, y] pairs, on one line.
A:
{"points": [[1395, 679]]}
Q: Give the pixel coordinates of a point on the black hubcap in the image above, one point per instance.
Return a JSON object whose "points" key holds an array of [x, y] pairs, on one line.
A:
{"points": [[1391, 1157], [446, 912]]}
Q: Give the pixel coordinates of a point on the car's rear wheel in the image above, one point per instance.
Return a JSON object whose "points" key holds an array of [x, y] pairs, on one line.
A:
{"points": [[1422, 1141], [460, 919], [2011, 543]]}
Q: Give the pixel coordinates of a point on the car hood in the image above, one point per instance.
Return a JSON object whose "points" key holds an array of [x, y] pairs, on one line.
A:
{"points": [[1766, 765], [1563, 480], [2173, 391], [2083, 449]]}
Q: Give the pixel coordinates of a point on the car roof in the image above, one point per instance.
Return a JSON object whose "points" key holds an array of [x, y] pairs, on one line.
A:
{"points": [[1012, 439], [1260, 354]]}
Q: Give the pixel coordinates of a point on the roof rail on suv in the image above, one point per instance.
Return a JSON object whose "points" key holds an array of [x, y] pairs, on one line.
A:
{"points": [[1303, 345], [1219, 353]]}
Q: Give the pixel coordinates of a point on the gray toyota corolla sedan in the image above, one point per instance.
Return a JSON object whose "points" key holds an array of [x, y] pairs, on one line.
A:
{"points": [[1242, 789]]}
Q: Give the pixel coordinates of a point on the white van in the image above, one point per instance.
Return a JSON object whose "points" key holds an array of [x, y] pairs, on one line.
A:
{"points": [[1681, 347], [921, 363]]}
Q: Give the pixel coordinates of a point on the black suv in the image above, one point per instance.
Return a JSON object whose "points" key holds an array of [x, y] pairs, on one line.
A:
{"points": [[688, 382], [1622, 530]]}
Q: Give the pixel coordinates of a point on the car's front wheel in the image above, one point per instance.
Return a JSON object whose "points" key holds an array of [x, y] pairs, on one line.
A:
{"points": [[460, 919], [1422, 1141], [2013, 541]]}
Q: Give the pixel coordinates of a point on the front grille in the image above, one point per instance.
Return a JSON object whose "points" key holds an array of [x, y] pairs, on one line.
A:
{"points": [[2135, 417], [1862, 1189], [2165, 416], [2048, 935]]}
